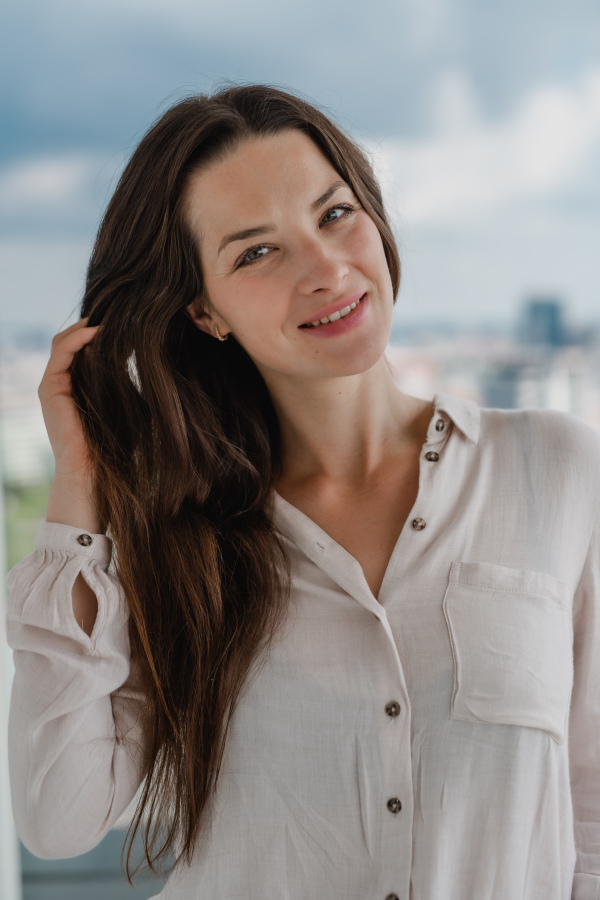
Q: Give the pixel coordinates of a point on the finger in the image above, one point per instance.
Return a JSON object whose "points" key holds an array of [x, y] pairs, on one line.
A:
{"points": [[66, 345], [82, 323]]}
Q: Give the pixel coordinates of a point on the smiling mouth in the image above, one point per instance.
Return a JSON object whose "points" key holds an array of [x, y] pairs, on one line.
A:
{"points": [[338, 314]]}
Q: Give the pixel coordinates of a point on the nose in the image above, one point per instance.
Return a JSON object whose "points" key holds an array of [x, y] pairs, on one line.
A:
{"points": [[322, 267]]}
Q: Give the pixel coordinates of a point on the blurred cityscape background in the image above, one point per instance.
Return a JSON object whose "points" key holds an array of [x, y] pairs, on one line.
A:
{"points": [[483, 123]]}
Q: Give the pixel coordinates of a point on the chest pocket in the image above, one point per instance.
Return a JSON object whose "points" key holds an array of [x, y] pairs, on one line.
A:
{"points": [[512, 640]]}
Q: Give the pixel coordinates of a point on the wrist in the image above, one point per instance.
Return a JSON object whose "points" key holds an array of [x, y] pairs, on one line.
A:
{"points": [[70, 502]]}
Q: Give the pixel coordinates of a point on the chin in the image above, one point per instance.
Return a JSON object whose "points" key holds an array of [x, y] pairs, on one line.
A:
{"points": [[354, 361]]}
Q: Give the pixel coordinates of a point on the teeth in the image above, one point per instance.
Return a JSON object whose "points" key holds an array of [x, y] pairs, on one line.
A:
{"points": [[339, 314]]}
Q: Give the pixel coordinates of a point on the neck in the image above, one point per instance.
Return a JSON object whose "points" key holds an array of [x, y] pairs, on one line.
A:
{"points": [[341, 431]]}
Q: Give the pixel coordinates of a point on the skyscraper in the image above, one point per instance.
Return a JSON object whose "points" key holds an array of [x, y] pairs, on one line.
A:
{"points": [[543, 323]]}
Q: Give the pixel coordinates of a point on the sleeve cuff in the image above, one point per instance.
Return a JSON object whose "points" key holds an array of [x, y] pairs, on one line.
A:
{"points": [[52, 536]]}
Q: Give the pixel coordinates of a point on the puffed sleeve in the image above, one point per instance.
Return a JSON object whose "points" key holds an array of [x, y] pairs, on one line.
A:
{"points": [[76, 723], [584, 726]]}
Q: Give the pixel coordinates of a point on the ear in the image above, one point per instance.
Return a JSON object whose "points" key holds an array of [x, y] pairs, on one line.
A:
{"points": [[203, 319]]}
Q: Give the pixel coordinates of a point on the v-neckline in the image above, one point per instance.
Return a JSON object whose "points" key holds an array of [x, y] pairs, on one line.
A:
{"points": [[334, 559], [323, 550]]}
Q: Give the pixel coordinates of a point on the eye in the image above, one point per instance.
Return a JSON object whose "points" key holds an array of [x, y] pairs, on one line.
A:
{"points": [[251, 255], [342, 209], [254, 253]]}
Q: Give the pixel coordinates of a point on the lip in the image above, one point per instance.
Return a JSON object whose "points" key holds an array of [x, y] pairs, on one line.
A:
{"points": [[341, 326], [334, 307]]}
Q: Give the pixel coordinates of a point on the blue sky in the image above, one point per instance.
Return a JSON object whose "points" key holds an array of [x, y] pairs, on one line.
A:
{"points": [[483, 119]]}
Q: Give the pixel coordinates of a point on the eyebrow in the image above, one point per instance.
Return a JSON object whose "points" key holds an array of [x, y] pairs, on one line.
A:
{"points": [[269, 229]]}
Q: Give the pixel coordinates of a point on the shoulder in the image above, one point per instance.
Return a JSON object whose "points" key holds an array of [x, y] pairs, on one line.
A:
{"points": [[547, 438], [548, 427]]}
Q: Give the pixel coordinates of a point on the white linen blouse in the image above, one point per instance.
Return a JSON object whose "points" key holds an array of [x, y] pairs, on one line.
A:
{"points": [[440, 742]]}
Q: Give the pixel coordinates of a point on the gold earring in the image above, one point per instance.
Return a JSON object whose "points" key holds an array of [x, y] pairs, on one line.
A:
{"points": [[219, 336]]}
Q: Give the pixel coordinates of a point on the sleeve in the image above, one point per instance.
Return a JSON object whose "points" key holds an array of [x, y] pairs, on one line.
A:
{"points": [[584, 726], [76, 732]]}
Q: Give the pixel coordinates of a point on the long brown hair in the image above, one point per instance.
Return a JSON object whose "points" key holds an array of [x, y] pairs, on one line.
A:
{"points": [[184, 443]]}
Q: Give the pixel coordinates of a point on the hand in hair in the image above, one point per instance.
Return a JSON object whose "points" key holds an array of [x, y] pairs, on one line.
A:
{"points": [[70, 501], [71, 496]]}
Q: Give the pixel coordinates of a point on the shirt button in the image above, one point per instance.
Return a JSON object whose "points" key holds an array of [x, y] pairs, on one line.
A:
{"points": [[392, 897], [440, 425], [419, 524], [394, 805], [84, 539], [432, 456], [393, 709]]}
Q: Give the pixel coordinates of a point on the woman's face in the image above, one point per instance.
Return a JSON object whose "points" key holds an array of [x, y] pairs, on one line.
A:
{"points": [[283, 244]]}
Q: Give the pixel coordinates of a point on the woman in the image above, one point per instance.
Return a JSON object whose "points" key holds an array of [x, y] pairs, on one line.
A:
{"points": [[349, 640]]}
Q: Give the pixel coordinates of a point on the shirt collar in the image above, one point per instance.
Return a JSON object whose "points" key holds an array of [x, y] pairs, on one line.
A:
{"points": [[464, 414]]}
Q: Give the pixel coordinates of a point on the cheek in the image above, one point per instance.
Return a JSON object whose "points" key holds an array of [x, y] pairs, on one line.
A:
{"points": [[257, 306], [367, 250], [255, 312], [238, 301]]}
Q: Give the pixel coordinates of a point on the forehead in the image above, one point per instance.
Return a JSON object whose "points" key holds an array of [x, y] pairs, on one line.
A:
{"points": [[255, 182]]}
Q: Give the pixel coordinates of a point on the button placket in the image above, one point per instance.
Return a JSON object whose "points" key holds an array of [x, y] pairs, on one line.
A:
{"points": [[432, 456], [437, 437], [398, 775], [395, 807]]}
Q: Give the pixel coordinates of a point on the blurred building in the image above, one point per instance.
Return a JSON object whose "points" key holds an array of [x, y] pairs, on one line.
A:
{"points": [[544, 364], [543, 324]]}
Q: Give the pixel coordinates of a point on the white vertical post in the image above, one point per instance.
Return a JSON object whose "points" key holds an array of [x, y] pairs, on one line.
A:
{"points": [[10, 869]]}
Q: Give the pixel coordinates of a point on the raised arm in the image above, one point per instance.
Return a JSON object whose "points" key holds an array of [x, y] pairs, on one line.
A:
{"points": [[76, 735], [70, 501]]}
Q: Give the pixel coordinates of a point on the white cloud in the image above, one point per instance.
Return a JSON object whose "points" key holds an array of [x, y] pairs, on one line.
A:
{"points": [[486, 270], [46, 181], [63, 193], [547, 145]]}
